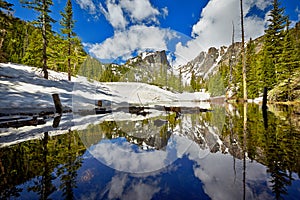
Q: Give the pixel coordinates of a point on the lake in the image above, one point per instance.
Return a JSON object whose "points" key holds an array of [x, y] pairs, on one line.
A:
{"points": [[212, 154]]}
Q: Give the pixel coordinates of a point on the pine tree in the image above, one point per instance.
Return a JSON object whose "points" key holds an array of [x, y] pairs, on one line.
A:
{"points": [[5, 7], [180, 81], [193, 81], [68, 25], [33, 54], [273, 44], [288, 62], [252, 78], [44, 22]]}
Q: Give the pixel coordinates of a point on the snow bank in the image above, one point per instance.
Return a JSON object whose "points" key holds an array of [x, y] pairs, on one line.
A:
{"points": [[23, 89]]}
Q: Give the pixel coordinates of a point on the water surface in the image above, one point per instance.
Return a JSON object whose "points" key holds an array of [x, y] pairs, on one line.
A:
{"points": [[197, 155]]}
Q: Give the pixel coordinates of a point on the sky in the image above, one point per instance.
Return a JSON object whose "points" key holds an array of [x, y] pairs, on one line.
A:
{"points": [[118, 29]]}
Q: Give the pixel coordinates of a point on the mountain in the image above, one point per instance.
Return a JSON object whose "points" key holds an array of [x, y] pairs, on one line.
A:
{"points": [[150, 58], [218, 70], [148, 67], [208, 63], [204, 63]]}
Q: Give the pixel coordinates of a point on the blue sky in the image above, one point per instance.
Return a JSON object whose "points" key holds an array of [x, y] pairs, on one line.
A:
{"points": [[115, 28]]}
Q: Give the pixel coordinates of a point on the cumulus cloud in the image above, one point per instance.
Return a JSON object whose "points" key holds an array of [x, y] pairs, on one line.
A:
{"points": [[214, 27], [261, 4], [136, 38], [87, 5], [139, 10], [121, 13], [114, 14]]}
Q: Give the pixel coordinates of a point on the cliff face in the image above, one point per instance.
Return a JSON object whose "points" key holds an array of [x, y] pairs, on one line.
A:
{"points": [[202, 64], [148, 67], [149, 58], [207, 63], [158, 57]]}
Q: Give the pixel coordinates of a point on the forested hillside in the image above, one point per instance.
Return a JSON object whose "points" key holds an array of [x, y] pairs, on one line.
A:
{"points": [[272, 61], [279, 72], [22, 42]]}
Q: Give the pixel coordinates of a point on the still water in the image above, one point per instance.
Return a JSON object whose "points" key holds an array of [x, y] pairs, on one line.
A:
{"points": [[197, 155]]}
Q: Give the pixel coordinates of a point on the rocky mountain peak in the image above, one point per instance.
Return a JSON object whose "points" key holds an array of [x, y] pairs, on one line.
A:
{"points": [[159, 57], [150, 58]]}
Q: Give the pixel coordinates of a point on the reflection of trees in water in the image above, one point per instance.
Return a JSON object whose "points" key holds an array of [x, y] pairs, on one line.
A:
{"points": [[43, 184], [275, 144], [35, 162], [68, 171], [282, 152]]}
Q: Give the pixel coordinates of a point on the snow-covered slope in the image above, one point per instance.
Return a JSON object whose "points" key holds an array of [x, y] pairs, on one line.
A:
{"points": [[24, 90]]}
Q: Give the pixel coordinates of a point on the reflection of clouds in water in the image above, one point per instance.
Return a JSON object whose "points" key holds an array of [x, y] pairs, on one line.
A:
{"points": [[123, 158], [117, 186], [220, 181], [215, 170], [123, 187]]}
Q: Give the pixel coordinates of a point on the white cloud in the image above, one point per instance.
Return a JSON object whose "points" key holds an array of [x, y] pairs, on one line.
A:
{"points": [[114, 14], [136, 38], [121, 13], [165, 11], [214, 27], [298, 12], [261, 4], [139, 10], [87, 5], [186, 52]]}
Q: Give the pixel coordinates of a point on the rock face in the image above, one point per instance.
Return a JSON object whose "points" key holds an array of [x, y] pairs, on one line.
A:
{"points": [[202, 64], [148, 67], [207, 63], [158, 57]]}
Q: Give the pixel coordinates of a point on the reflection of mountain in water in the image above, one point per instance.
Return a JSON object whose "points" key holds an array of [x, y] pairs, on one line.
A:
{"points": [[153, 133]]}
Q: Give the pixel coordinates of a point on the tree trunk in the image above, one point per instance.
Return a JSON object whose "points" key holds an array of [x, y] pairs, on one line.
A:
{"points": [[243, 54], [69, 60], [3, 31], [44, 30]]}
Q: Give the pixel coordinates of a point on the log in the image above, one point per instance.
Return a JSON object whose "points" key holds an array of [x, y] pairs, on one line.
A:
{"points": [[57, 103], [20, 123]]}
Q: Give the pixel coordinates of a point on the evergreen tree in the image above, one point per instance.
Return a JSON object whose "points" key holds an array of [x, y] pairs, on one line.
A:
{"points": [[180, 79], [33, 54], [44, 22], [252, 78], [68, 25], [193, 81], [273, 44], [288, 62], [5, 7]]}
